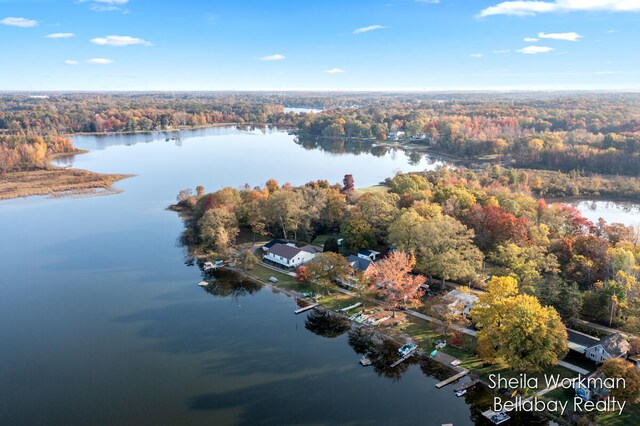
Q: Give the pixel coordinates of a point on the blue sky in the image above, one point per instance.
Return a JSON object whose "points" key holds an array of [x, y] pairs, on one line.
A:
{"points": [[319, 45]]}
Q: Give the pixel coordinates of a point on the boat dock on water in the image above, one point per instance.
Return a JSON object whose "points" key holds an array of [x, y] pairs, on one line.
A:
{"points": [[210, 266], [452, 379], [305, 308], [401, 360], [467, 385]]}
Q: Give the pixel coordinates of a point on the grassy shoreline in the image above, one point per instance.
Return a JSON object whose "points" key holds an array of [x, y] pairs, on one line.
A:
{"points": [[57, 181]]}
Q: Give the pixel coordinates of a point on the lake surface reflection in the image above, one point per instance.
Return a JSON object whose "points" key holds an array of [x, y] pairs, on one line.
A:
{"points": [[101, 320], [624, 212]]}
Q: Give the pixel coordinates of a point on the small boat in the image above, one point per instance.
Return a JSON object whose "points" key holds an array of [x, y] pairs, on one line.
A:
{"points": [[361, 319], [407, 349], [455, 362], [364, 361], [460, 392], [499, 418], [203, 283], [433, 353]]}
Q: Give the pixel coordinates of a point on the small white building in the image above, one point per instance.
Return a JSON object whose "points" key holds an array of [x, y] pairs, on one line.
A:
{"points": [[290, 256], [612, 346], [395, 136], [459, 303], [368, 254]]}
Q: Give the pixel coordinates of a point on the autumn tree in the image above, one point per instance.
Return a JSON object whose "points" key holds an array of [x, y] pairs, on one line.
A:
{"points": [[516, 329], [348, 183], [285, 210], [302, 274], [618, 368], [218, 228], [379, 210], [249, 260], [394, 282], [328, 268]]}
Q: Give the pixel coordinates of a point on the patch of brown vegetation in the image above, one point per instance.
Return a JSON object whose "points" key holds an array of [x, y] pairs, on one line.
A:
{"points": [[54, 181]]}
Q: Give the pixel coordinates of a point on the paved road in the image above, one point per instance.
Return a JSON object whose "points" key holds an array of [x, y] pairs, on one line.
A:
{"points": [[573, 367]]}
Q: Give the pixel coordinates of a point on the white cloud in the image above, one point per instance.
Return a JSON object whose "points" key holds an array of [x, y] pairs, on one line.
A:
{"points": [[369, 28], [528, 8], [561, 36], [70, 62], [19, 22], [502, 51], [612, 31], [428, 1], [531, 50], [477, 55], [99, 61], [107, 5], [60, 35], [334, 71], [270, 58], [114, 40], [530, 39]]}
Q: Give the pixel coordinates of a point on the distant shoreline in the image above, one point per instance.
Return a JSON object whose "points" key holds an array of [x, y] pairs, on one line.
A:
{"points": [[177, 129]]}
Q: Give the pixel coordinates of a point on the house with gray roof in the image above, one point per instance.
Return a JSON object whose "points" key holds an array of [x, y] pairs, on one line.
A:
{"points": [[290, 256], [611, 346], [360, 264]]}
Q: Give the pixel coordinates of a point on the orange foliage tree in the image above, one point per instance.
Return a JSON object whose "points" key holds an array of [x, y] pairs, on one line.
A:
{"points": [[394, 282]]}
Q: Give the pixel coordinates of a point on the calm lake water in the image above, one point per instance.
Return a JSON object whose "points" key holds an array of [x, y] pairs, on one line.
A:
{"points": [[611, 211], [101, 320]]}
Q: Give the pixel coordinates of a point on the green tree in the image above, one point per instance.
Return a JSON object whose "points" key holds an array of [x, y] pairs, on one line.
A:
{"points": [[357, 232], [326, 269], [331, 244]]}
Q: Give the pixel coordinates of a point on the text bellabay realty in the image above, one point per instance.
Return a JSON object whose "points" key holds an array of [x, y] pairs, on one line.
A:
{"points": [[523, 381]]}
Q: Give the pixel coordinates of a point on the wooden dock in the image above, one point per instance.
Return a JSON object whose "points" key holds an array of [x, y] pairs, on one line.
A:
{"points": [[452, 379], [401, 360], [305, 309], [467, 385], [348, 308]]}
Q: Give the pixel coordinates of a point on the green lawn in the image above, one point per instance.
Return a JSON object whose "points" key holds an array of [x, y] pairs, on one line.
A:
{"points": [[320, 239], [630, 416], [264, 274]]}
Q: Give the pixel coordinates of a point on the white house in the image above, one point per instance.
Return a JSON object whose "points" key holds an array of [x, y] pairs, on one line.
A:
{"points": [[591, 387], [290, 256], [368, 254], [272, 243], [459, 303], [612, 346], [395, 136]]}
